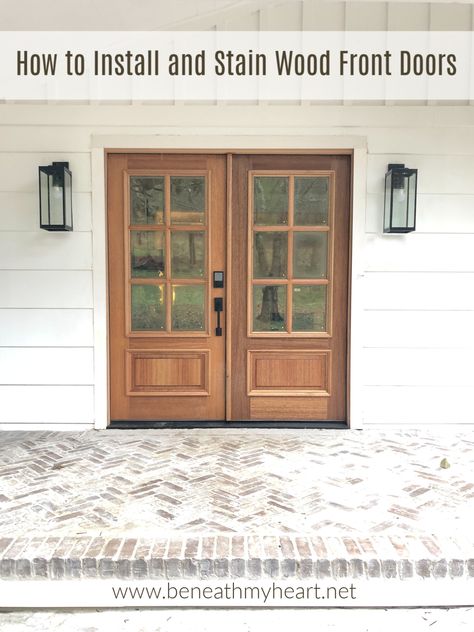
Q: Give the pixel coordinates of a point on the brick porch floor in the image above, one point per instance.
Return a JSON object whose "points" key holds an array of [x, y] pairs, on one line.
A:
{"points": [[236, 502]]}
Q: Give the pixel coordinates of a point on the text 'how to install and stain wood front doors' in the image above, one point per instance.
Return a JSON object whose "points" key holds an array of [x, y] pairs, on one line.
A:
{"points": [[274, 324]]}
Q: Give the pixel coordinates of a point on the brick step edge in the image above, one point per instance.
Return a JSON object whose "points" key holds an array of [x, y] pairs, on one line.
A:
{"points": [[172, 568], [235, 556]]}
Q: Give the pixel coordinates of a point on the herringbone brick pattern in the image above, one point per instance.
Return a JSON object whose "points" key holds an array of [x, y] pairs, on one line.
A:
{"points": [[265, 482]]}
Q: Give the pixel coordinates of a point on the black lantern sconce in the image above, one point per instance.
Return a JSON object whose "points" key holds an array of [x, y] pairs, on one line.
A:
{"points": [[55, 191], [400, 199]]}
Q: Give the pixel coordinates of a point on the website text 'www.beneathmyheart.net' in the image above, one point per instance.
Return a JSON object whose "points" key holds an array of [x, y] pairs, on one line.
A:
{"points": [[234, 593]]}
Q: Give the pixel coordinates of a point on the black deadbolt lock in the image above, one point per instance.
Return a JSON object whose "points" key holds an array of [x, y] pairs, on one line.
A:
{"points": [[218, 279]]}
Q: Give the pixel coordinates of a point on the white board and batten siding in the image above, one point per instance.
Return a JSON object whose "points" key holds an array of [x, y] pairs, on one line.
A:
{"points": [[414, 293]]}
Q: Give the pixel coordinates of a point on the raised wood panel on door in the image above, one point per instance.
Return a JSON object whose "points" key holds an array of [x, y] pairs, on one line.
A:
{"points": [[290, 374], [168, 373], [296, 373], [162, 373]]}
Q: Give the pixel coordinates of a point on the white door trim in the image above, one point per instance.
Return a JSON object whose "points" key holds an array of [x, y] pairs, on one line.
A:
{"points": [[184, 140]]}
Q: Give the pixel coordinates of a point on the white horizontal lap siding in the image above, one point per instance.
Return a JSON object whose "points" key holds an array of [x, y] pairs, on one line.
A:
{"points": [[419, 329], [43, 366], [45, 250], [19, 211], [417, 252], [418, 405], [435, 213], [418, 339], [50, 405], [409, 139], [46, 328], [19, 171], [438, 174], [37, 289], [418, 367], [46, 317], [406, 291]]}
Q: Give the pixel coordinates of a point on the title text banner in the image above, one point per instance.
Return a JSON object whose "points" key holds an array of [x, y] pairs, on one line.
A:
{"points": [[237, 66]]}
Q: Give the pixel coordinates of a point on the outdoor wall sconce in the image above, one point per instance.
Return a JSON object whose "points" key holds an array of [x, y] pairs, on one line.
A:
{"points": [[55, 191], [400, 199]]}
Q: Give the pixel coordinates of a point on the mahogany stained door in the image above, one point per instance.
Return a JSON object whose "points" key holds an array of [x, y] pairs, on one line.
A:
{"points": [[166, 238], [290, 253]]}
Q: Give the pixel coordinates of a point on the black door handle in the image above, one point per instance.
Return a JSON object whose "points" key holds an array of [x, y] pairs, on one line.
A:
{"points": [[218, 307]]}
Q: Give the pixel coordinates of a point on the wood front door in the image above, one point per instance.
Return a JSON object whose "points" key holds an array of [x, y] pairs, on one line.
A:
{"points": [[282, 342], [166, 239], [290, 252]]}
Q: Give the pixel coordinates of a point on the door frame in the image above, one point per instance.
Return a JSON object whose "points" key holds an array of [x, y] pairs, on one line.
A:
{"points": [[356, 146]]}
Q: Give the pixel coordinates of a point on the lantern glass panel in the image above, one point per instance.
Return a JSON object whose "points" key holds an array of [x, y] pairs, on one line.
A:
{"points": [[56, 193], [400, 201], [68, 199], [44, 200], [388, 200], [411, 200]]}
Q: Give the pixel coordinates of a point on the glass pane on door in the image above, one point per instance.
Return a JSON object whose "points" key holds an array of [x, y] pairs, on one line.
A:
{"points": [[147, 254], [311, 201], [270, 255], [147, 199], [148, 307], [269, 308], [290, 241], [310, 255], [309, 307], [170, 255], [187, 307], [270, 200], [188, 254], [188, 199]]}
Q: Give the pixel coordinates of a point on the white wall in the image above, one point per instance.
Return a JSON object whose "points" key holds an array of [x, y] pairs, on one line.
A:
{"points": [[46, 318], [331, 15], [416, 290]]}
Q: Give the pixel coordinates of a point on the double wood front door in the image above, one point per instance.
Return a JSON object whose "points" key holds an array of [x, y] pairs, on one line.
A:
{"points": [[228, 286]]}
